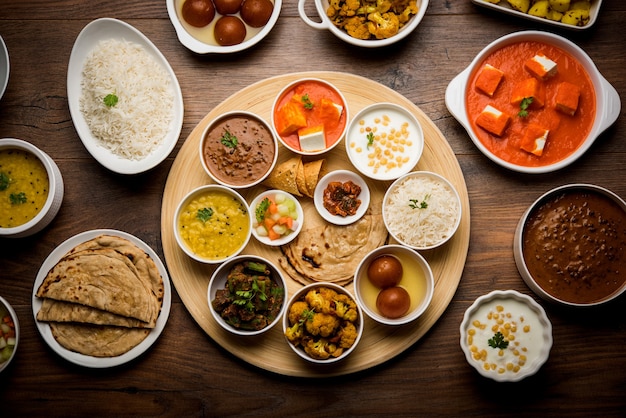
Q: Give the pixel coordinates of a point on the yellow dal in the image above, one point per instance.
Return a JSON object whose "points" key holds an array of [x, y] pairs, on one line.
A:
{"points": [[220, 236], [26, 175]]}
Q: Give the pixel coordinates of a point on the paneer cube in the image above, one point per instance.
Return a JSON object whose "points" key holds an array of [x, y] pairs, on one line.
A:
{"points": [[530, 88], [541, 66], [329, 112], [290, 118], [493, 120], [567, 96], [312, 139], [489, 79], [534, 139]]}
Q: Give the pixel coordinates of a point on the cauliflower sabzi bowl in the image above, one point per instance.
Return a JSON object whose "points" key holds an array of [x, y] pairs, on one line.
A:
{"points": [[367, 23], [323, 323]]}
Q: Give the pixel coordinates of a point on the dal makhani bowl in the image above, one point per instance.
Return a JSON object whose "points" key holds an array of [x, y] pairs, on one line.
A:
{"points": [[422, 210], [238, 149], [212, 224], [247, 295], [31, 188], [323, 323], [394, 285], [569, 245]]}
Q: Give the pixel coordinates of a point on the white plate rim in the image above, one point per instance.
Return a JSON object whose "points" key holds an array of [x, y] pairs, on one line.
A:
{"points": [[109, 28], [90, 361]]}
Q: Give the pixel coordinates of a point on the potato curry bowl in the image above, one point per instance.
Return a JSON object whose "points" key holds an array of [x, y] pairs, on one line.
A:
{"points": [[323, 323], [247, 295]]}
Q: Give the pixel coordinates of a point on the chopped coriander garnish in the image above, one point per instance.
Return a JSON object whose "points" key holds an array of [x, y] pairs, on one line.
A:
{"points": [[229, 140], [498, 341], [204, 214], [5, 180], [17, 198], [370, 139], [244, 297], [110, 100], [416, 204], [308, 104], [526, 102]]}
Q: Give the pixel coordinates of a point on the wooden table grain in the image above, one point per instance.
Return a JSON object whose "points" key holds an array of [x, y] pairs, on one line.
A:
{"points": [[186, 373]]}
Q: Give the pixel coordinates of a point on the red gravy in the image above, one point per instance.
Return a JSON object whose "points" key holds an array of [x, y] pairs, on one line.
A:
{"points": [[245, 162], [574, 246]]}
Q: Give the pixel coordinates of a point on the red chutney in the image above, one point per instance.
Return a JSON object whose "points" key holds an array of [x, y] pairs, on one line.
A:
{"points": [[316, 91], [573, 246], [567, 132]]}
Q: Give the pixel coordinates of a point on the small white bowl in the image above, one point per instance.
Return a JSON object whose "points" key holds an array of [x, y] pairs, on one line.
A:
{"points": [[288, 91], [569, 237], [5, 67], [6, 309], [182, 243], [300, 295], [185, 33], [342, 176], [415, 199], [55, 191], [608, 104], [234, 115], [537, 340], [407, 148], [285, 239], [327, 24], [417, 279], [219, 279]]}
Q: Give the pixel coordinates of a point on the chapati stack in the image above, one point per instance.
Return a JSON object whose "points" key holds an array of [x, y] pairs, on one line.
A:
{"points": [[102, 298]]}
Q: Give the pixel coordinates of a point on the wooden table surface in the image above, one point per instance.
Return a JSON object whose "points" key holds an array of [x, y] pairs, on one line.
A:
{"points": [[186, 373]]}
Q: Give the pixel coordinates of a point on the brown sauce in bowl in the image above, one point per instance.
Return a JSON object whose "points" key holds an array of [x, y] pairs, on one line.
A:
{"points": [[239, 150], [574, 246]]}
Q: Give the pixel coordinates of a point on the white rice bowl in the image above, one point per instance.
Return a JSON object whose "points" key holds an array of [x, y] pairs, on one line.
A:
{"points": [[422, 210]]}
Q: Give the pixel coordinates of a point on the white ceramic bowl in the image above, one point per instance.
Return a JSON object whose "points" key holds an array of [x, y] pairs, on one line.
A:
{"points": [[237, 114], [341, 176], [288, 90], [189, 198], [505, 7], [580, 227], [285, 239], [191, 37], [6, 309], [417, 280], [534, 343], [299, 295], [55, 191], [421, 206], [5, 67], [407, 148], [608, 104], [219, 279], [326, 24]]}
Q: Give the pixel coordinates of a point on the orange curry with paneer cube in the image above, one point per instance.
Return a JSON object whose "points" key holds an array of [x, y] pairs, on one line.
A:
{"points": [[542, 129], [489, 79]]}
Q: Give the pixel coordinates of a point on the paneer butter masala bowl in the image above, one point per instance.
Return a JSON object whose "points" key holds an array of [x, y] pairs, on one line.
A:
{"points": [[310, 116], [569, 243], [211, 224], [533, 102]]}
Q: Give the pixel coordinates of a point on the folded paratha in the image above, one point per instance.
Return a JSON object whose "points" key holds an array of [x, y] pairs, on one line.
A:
{"points": [[59, 311]]}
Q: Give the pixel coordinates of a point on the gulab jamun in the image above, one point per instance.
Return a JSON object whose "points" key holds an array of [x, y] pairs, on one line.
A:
{"points": [[393, 302], [229, 30], [256, 13], [198, 13], [385, 271]]}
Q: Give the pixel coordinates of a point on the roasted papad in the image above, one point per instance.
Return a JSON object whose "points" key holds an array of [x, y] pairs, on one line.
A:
{"points": [[331, 253], [97, 340], [106, 293]]}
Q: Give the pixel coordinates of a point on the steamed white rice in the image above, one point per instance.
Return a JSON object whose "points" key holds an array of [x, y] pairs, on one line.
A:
{"points": [[139, 122]]}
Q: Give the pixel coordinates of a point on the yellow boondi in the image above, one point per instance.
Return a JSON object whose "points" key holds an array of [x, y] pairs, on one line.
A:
{"points": [[214, 225], [23, 187]]}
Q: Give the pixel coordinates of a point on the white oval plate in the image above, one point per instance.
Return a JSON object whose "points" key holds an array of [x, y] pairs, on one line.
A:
{"points": [[94, 32], [100, 362]]}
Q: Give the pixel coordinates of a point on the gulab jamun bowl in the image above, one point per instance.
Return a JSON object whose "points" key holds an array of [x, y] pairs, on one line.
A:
{"points": [[222, 26], [31, 188], [394, 284], [571, 104], [568, 245]]}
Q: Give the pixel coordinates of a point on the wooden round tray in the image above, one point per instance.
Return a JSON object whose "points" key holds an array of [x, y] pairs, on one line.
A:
{"points": [[271, 351]]}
